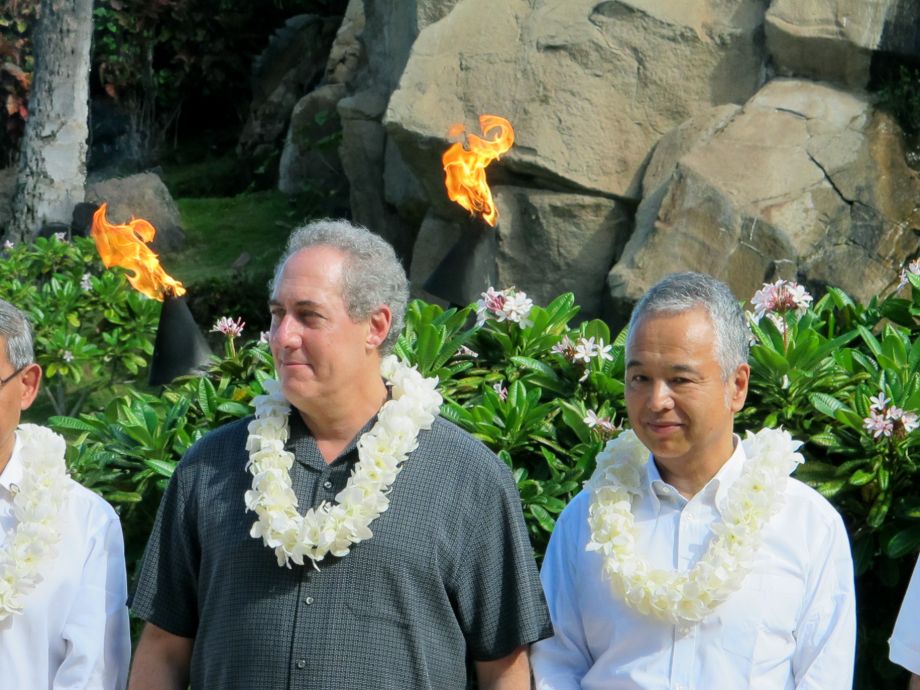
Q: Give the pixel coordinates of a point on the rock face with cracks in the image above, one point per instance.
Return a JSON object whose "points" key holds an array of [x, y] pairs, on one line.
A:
{"points": [[805, 181], [728, 136]]}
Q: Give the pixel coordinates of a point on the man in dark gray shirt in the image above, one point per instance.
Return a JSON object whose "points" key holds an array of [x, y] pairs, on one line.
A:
{"points": [[353, 569]]}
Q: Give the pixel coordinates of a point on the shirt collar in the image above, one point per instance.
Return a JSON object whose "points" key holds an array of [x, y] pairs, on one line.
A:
{"points": [[12, 473], [716, 489]]}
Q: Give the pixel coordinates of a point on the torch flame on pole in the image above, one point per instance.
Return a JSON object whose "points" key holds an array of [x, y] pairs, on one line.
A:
{"points": [[465, 166], [126, 246]]}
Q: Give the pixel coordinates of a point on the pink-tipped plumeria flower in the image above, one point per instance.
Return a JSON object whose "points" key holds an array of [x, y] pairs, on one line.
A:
{"points": [[912, 267], [229, 327], [506, 305], [888, 420], [501, 390], [602, 424], [779, 298]]}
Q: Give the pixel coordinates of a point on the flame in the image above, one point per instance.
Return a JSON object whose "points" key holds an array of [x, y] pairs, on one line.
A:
{"points": [[126, 246], [465, 166]]}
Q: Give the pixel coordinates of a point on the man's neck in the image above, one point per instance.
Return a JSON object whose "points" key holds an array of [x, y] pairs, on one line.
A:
{"points": [[335, 423], [690, 475]]}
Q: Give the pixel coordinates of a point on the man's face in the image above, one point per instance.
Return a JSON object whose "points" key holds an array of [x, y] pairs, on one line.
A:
{"points": [[320, 352], [677, 402], [16, 395]]}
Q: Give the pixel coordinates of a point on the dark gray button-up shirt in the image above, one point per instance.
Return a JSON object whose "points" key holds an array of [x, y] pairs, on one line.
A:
{"points": [[448, 577]]}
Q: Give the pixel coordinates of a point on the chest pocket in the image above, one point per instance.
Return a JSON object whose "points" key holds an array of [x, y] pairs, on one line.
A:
{"points": [[759, 621]]}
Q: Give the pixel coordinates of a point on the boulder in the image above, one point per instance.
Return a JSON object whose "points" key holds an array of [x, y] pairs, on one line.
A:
{"points": [[834, 40], [141, 196], [290, 66], [377, 176], [310, 157], [7, 189], [588, 86], [803, 181], [346, 51], [545, 243]]}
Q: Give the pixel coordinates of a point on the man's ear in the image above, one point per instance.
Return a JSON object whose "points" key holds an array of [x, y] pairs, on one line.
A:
{"points": [[30, 378], [379, 324], [739, 386]]}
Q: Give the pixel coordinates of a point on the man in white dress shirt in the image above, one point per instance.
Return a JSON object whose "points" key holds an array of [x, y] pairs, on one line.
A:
{"points": [[63, 590], [701, 564], [905, 640]]}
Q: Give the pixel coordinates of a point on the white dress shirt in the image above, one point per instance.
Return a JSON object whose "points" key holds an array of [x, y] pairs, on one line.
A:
{"points": [[790, 625], [73, 631], [905, 640]]}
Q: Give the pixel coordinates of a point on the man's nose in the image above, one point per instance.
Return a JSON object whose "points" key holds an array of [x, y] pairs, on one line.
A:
{"points": [[660, 397], [284, 333]]}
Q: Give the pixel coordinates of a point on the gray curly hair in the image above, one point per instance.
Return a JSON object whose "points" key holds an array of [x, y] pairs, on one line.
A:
{"points": [[372, 274], [17, 335], [680, 292]]}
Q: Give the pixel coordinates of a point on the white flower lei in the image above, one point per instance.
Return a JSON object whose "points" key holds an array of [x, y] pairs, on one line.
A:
{"points": [[334, 527], [36, 507], [686, 597]]}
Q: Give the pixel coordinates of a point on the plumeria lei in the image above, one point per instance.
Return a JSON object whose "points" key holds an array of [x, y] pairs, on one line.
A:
{"points": [[36, 507], [685, 597], [333, 527]]}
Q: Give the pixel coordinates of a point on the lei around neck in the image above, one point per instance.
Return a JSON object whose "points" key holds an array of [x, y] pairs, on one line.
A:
{"points": [[684, 598], [36, 506], [332, 528]]}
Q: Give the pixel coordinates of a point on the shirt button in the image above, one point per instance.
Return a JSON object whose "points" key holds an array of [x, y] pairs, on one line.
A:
{"points": [[301, 663], [308, 601], [327, 486]]}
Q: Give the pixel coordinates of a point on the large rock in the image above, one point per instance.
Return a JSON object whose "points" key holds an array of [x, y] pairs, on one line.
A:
{"points": [[834, 40], [588, 86], [290, 66], [141, 196], [7, 189], [806, 181], [545, 243], [310, 157], [346, 52], [376, 174]]}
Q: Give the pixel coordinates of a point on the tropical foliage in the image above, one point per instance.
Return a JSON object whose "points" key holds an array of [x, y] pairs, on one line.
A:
{"points": [[544, 392]]}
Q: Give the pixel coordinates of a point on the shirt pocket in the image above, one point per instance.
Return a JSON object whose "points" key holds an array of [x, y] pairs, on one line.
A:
{"points": [[759, 621]]}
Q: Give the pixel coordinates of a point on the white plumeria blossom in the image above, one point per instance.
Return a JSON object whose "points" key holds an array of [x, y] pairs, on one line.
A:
{"points": [[332, 528], [684, 598], [36, 505]]}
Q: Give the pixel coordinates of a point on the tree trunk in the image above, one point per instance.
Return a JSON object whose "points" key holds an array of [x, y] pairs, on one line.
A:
{"points": [[52, 159]]}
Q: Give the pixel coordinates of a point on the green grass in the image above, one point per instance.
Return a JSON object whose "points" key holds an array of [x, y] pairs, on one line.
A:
{"points": [[218, 230]]}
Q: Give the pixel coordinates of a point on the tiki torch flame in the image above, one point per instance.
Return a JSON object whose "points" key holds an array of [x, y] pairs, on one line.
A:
{"points": [[465, 166], [126, 246]]}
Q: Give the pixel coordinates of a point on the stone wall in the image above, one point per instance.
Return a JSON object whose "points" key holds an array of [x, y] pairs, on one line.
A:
{"points": [[730, 136]]}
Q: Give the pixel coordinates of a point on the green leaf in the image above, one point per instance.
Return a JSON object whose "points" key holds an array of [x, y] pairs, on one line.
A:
{"points": [[904, 542], [163, 468]]}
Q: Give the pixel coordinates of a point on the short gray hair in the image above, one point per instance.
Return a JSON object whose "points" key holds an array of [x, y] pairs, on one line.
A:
{"points": [[680, 292], [17, 335], [372, 274]]}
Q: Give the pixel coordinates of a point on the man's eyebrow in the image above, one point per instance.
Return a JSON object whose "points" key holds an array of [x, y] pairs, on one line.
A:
{"points": [[688, 368], [299, 303]]}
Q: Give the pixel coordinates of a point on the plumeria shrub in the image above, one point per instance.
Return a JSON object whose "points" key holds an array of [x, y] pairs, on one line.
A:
{"points": [[92, 330], [546, 393]]}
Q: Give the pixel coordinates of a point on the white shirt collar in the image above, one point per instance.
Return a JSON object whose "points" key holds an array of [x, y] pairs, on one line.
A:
{"points": [[715, 490], [12, 473]]}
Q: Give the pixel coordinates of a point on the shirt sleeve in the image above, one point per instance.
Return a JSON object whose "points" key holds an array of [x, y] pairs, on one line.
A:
{"points": [[498, 599], [560, 662], [167, 581], [905, 641], [96, 631], [826, 634]]}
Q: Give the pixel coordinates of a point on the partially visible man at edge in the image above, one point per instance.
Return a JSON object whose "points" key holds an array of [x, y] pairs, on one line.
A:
{"points": [[905, 640], [63, 604], [443, 580], [691, 559]]}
